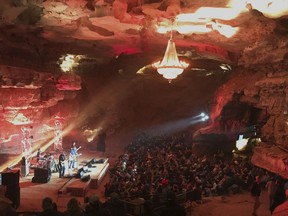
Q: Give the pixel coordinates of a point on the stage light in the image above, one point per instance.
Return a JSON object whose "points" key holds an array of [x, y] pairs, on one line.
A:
{"points": [[205, 118]]}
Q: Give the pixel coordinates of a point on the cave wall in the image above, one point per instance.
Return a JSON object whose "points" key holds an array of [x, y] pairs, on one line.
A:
{"points": [[31, 101], [255, 96], [264, 89]]}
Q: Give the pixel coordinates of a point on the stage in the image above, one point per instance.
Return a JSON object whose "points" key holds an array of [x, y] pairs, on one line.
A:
{"points": [[92, 166]]}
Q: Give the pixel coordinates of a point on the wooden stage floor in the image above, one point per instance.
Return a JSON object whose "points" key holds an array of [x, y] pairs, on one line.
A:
{"points": [[62, 189]]}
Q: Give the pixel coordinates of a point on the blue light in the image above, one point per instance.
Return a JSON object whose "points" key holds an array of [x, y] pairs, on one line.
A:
{"points": [[204, 117]]}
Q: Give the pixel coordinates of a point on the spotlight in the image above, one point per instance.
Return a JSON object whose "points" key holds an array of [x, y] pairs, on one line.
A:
{"points": [[204, 117]]}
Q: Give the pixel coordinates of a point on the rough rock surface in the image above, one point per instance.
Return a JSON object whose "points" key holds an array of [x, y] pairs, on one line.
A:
{"points": [[254, 98]]}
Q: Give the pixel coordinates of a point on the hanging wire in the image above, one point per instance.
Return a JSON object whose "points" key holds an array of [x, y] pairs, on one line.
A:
{"points": [[172, 25]]}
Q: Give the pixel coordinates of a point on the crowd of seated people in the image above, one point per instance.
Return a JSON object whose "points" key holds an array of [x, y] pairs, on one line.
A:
{"points": [[153, 166], [111, 207], [91, 206]]}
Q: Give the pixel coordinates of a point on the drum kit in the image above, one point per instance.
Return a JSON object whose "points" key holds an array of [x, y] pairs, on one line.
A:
{"points": [[48, 162]]}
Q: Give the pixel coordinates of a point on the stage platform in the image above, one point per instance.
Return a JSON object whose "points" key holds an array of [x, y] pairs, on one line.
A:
{"points": [[91, 177], [62, 189]]}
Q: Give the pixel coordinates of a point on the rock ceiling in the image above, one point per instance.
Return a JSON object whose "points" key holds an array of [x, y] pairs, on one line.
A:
{"points": [[229, 31]]}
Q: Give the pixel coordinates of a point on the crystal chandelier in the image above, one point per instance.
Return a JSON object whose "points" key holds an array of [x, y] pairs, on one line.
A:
{"points": [[170, 66]]}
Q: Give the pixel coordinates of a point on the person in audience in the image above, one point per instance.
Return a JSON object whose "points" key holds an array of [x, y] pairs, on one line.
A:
{"points": [[255, 193], [282, 209], [270, 187], [73, 208], [48, 208], [114, 205], [85, 203], [95, 207], [279, 195]]}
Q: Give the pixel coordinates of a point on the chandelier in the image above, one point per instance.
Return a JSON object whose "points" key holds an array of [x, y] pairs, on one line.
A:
{"points": [[170, 66]]}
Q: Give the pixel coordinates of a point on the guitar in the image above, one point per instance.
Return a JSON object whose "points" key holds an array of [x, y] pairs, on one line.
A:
{"points": [[74, 156]]}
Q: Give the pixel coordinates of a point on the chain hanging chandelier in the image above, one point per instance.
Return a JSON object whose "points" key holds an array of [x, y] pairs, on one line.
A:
{"points": [[170, 66]]}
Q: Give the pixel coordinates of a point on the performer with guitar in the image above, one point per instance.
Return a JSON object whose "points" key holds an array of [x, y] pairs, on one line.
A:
{"points": [[61, 167], [73, 155]]}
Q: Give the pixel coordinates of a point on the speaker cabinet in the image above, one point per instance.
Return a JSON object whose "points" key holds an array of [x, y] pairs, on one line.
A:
{"points": [[13, 193], [10, 178], [11, 181], [41, 175]]}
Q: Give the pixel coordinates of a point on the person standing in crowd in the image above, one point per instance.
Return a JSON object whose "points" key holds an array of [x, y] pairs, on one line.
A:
{"points": [[62, 165], [271, 186], [73, 208], [255, 193], [73, 155], [282, 209], [48, 209], [279, 195]]}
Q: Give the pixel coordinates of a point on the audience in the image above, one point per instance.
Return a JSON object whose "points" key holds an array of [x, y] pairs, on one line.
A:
{"points": [[159, 164]]}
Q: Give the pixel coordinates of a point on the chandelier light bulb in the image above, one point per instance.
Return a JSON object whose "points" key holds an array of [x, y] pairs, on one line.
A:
{"points": [[170, 66]]}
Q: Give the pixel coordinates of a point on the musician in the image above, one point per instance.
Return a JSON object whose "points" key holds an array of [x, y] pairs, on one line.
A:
{"points": [[62, 159], [39, 155], [73, 155]]}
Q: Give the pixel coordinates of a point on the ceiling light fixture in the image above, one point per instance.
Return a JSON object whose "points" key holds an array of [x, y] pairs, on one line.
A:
{"points": [[69, 62], [170, 66]]}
